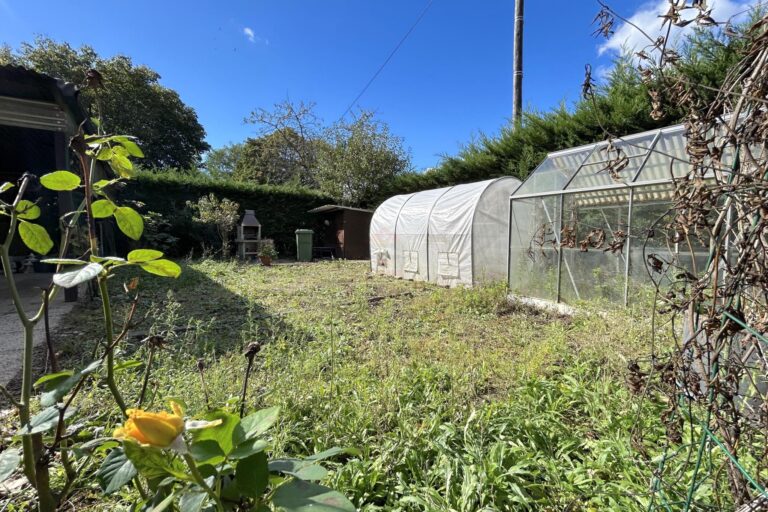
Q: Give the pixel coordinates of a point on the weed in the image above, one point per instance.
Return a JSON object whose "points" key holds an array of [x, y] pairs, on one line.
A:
{"points": [[456, 400]]}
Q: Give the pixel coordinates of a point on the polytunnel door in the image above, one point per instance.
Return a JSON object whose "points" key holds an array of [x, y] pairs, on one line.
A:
{"points": [[382, 234], [411, 235], [450, 235]]}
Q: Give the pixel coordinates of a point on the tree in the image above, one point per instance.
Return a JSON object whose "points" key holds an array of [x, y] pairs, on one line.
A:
{"points": [[280, 157], [356, 159], [285, 150], [221, 163], [132, 100]]}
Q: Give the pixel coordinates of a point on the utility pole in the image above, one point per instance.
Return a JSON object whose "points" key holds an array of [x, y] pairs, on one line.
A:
{"points": [[517, 66]]}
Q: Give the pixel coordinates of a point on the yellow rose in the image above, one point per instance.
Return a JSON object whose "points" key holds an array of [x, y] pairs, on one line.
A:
{"points": [[159, 429]]}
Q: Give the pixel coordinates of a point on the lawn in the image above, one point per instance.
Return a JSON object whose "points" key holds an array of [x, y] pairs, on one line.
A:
{"points": [[456, 399]]}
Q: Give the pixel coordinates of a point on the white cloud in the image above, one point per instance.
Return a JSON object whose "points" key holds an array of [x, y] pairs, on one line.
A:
{"points": [[252, 37], [647, 18], [602, 74]]}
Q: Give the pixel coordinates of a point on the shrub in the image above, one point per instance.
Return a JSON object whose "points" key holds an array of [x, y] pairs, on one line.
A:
{"points": [[267, 249], [280, 209], [219, 213]]}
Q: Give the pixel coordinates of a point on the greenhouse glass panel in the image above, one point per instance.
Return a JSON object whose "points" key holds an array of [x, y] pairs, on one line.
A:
{"points": [[651, 215], [613, 220], [593, 252], [533, 252], [555, 172], [668, 159], [596, 170]]}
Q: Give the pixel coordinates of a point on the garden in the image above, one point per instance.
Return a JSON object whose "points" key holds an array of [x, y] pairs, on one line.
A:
{"points": [[187, 379], [440, 399]]}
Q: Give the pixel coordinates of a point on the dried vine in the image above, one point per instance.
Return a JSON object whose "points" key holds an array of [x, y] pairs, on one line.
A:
{"points": [[715, 381]]}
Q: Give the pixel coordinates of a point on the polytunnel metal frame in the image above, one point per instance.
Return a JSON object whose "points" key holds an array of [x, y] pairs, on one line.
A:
{"points": [[563, 190]]}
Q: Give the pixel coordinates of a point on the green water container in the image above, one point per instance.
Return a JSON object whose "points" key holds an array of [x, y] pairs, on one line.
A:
{"points": [[304, 244]]}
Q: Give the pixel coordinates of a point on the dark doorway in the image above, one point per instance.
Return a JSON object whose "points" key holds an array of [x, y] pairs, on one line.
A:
{"points": [[26, 150]]}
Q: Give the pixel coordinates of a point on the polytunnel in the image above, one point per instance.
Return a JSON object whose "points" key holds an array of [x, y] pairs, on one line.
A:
{"points": [[450, 236]]}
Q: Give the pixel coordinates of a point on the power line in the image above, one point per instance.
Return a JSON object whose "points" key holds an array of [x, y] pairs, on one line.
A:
{"points": [[386, 61]]}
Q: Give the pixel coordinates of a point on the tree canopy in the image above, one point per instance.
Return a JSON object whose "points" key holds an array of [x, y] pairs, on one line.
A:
{"points": [[356, 158], [281, 157], [350, 160], [132, 101]]}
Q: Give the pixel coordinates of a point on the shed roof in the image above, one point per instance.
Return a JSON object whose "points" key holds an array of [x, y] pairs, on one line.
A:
{"points": [[36, 100], [335, 208]]}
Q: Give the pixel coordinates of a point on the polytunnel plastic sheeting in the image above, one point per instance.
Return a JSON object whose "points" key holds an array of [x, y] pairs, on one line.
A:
{"points": [[411, 260], [450, 234], [382, 234], [490, 231]]}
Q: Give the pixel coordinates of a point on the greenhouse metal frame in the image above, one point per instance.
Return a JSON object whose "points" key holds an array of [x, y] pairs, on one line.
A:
{"points": [[449, 236], [581, 193]]}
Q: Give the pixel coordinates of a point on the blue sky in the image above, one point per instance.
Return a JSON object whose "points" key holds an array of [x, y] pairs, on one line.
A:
{"points": [[451, 80]]}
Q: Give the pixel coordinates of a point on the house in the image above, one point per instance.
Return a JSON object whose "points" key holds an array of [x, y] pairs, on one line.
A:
{"points": [[38, 116]]}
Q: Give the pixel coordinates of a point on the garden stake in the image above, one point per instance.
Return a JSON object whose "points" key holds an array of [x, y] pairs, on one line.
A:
{"points": [[251, 350]]}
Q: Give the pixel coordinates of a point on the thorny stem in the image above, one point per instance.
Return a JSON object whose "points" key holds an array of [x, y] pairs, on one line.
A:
{"points": [[69, 470], [49, 343], [36, 470], [24, 415], [45, 499], [110, 350], [251, 350], [146, 375], [201, 371], [245, 386], [87, 175], [88, 171], [140, 487]]}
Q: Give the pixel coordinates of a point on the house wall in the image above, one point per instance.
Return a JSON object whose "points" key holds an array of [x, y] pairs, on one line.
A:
{"points": [[28, 150]]}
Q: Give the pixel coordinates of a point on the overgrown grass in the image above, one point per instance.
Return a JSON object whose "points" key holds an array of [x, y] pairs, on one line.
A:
{"points": [[457, 400]]}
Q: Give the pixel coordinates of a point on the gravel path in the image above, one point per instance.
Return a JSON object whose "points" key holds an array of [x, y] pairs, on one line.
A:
{"points": [[11, 332]]}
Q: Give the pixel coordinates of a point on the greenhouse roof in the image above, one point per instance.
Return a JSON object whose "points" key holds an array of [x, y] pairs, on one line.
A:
{"points": [[652, 157]]}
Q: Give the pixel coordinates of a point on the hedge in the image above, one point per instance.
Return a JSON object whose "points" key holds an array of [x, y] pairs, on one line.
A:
{"points": [[163, 197]]}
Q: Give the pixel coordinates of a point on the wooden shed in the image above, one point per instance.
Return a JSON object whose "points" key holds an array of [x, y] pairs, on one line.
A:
{"points": [[343, 232]]}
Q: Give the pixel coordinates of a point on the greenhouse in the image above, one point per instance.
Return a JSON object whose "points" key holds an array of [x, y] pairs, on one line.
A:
{"points": [[449, 236], [585, 221]]}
